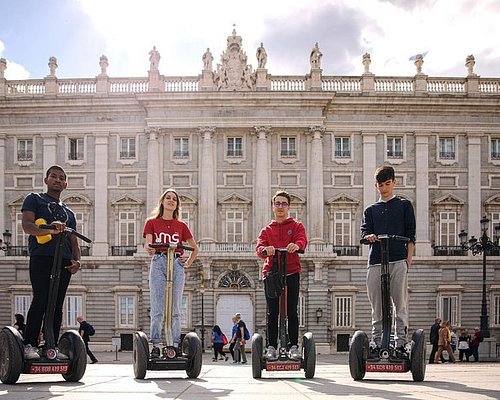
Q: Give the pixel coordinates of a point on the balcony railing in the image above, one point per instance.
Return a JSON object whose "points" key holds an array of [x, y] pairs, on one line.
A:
{"points": [[346, 250], [17, 251], [449, 251], [85, 251], [123, 250]]}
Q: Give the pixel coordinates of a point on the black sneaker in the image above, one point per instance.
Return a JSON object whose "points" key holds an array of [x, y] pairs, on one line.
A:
{"points": [[155, 352], [374, 352]]}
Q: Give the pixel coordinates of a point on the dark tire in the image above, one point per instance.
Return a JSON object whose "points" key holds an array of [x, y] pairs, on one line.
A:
{"points": [[257, 355], [358, 353], [191, 346], [140, 354], [71, 343], [418, 356], [11, 355], [309, 354]]}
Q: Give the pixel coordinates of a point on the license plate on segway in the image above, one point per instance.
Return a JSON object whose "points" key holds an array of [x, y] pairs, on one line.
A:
{"points": [[386, 367], [48, 368], [283, 366]]}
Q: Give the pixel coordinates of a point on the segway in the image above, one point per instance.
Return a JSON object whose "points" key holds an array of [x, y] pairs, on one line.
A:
{"points": [[284, 362], [190, 358], [12, 362], [387, 358]]}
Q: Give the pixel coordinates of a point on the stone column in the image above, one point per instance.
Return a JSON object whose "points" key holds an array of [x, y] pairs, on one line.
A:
{"points": [[154, 170], [3, 224], [101, 222], [207, 182], [474, 183], [423, 243], [262, 180], [49, 151], [315, 195], [369, 167], [3, 86]]}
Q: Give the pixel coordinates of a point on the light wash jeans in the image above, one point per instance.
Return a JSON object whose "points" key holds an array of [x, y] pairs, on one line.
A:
{"points": [[398, 271], [157, 282]]}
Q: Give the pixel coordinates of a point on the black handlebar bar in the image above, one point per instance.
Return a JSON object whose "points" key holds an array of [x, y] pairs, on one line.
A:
{"points": [[67, 230], [282, 250], [170, 245], [386, 237]]}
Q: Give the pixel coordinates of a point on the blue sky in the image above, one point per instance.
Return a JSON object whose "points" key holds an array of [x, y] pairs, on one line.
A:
{"points": [[78, 32]]}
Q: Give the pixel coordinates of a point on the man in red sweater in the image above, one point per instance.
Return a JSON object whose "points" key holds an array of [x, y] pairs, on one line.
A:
{"points": [[282, 232]]}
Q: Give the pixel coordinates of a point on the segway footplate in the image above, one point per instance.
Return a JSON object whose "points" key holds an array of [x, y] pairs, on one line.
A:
{"points": [[46, 368], [387, 366], [283, 366]]}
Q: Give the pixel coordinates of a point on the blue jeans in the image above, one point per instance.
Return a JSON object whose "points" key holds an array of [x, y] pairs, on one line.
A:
{"points": [[157, 281]]}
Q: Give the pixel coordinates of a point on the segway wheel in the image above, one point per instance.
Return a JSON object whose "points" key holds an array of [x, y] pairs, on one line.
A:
{"points": [[257, 356], [309, 351], [358, 353], [191, 346], [11, 355], [71, 343], [418, 356], [140, 354]]}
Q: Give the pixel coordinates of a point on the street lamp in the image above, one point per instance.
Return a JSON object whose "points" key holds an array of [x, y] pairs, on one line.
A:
{"points": [[5, 243], [202, 292], [481, 246]]}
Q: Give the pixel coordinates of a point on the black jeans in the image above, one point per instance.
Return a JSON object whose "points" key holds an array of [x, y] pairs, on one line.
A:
{"points": [[40, 268], [89, 352], [292, 296]]}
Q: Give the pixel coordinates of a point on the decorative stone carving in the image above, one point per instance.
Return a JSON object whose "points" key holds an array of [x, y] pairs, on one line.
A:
{"points": [[52, 66], [315, 57], [419, 61], [154, 59], [103, 63], [233, 73], [366, 62], [207, 58], [261, 56], [3, 67], [470, 61]]}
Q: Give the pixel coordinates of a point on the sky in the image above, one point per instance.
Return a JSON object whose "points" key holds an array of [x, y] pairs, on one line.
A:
{"points": [[78, 32]]}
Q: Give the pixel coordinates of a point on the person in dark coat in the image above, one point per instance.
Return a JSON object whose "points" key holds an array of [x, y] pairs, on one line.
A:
{"points": [[84, 330], [434, 339]]}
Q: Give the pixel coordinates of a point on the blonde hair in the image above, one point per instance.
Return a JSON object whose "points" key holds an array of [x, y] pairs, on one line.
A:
{"points": [[159, 209]]}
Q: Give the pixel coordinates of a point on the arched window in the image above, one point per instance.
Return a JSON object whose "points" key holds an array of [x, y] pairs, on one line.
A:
{"points": [[234, 280]]}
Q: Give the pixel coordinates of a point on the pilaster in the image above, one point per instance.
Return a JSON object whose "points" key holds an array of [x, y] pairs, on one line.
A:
{"points": [[100, 246], [315, 195], [474, 182], [207, 193], [423, 244]]}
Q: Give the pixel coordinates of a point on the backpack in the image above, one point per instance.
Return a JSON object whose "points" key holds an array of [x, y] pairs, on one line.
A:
{"points": [[273, 284], [247, 334], [90, 330]]}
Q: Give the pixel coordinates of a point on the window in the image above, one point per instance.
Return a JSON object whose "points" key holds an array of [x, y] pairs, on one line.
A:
{"points": [[72, 308], [288, 147], [343, 311], [181, 147], [447, 229], [25, 150], [127, 228], [76, 149], [394, 147], [127, 148], [185, 323], [234, 226], [22, 305], [496, 309], [447, 148], [185, 217], [448, 309], [342, 147], [126, 314], [342, 228], [495, 149], [21, 239], [234, 147]]}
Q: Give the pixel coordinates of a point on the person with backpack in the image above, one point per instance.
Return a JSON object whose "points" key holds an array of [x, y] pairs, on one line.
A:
{"points": [[242, 335], [219, 340], [474, 344], [86, 330]]}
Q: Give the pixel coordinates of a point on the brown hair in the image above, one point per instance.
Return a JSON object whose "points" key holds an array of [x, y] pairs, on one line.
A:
{"points": [[281, 193], [159, 209]]}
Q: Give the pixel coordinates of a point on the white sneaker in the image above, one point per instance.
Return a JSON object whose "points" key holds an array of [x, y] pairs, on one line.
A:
{"points": [[294, 353], [31, 353], [271, 354]]}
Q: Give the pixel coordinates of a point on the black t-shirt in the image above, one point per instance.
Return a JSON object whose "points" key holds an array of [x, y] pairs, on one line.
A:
{"points": [[50, 210], [241, 324]]}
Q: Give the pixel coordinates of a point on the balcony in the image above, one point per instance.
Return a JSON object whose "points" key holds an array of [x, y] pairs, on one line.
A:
{"points": [[449, 251], [123, 250], [17, 251], [85, 251], [349, 251]]}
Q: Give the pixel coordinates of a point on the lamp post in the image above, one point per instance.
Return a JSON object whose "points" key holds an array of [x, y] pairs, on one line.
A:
{"points": [[5, 243], [202, 293], [481, 246]]}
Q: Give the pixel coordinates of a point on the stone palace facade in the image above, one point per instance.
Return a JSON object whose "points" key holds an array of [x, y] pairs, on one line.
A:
{"points": [[227, 139]]}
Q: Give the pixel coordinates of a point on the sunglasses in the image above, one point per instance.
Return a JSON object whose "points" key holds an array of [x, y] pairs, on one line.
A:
{"points": [[281, 204]]}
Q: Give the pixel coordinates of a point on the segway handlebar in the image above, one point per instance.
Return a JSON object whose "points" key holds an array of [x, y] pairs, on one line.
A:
{"points": [[170, 245], [385, 236], [67, 230], [283, 250]]}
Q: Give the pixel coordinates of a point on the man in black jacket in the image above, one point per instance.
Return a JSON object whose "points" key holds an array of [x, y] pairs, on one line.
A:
{"points": [[84, 330], [434, 339]]}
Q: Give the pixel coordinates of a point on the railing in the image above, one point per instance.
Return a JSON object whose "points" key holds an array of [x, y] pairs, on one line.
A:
{"points": [[123, 250], [227, 247], [449, 251], [17, 251], [341, 84], [85, 251], [350, 251]]}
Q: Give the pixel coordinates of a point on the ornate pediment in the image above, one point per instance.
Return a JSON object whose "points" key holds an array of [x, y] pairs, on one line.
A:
{"points": [[77, 200], [448, 200], [234, 198], [127, 200], [234, 73], [343, 199]]}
